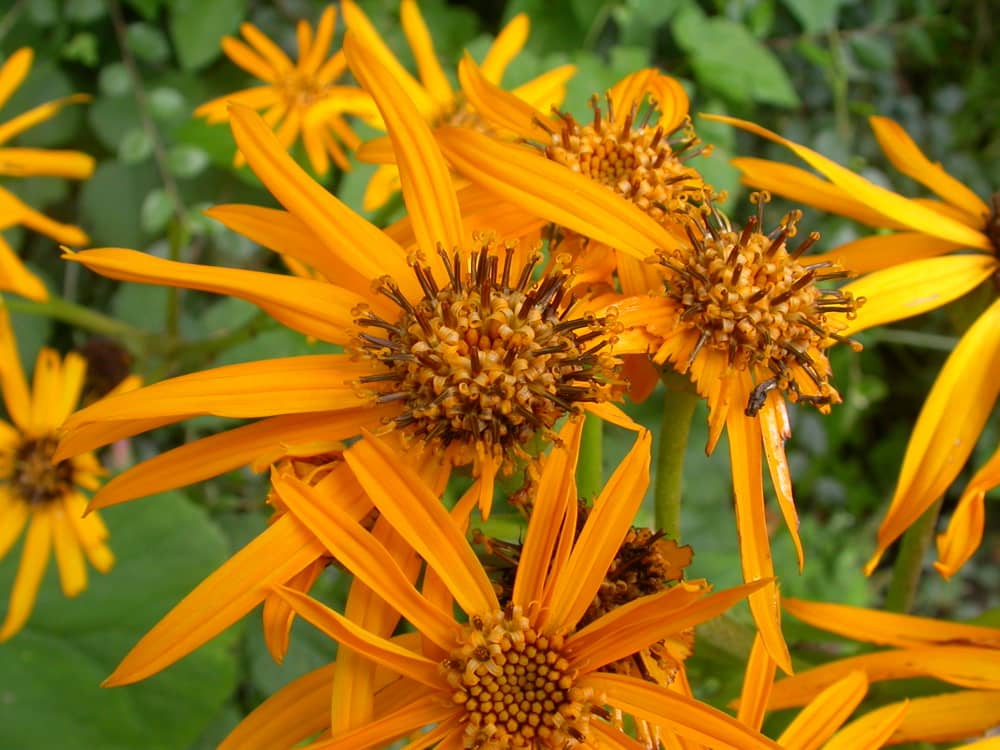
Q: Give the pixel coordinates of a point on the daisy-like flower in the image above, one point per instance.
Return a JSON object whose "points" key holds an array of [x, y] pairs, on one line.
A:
{"points": [[518, 673], [453, 345], [438, 103], [963, 655], [292, 92], [911, 269], [31, 162], [38, 494]]}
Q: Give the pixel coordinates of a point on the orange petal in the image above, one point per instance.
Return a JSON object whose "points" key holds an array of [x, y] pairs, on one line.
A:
{"points": [[293, 714], [364, 247], [915, 287], [217, 454], [285, 233], [755, 546], [277, 616], [14, 71], [388, 654], [358, 551], [888, 628], [362, 29], [907, 157], [757, 681], [965, 529], [421, 711], [670, 99], [418, 515], [275, 556], [808, 189], [524, 177], [775, 432], [886, 202], [313, 307], [825, 714], [504, 110], [952, 716], [431, 74], [508, 44], [34, 560], [15, 277], [967, 385], [36, 115], [427, 187], [872, 730], [613, 512], [686, 716], [649, 619], [68, 553], [966, 666], [12, 380], [556, 488], [36, 162], [885, 251]]}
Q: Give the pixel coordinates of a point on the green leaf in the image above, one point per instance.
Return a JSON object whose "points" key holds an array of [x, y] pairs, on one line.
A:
{"points": [[114, 80], [111, 117], [815, 16], [147, 42], [111, 202], [146, 8], [164, 547], [157, 208], [136, 146], [187, 161], [196, 28], [83, 11], [166, 103], [82, 48], [729, 60], [873, 52]]}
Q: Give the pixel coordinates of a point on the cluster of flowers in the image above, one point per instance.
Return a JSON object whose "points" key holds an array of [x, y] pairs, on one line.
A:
{"points": [[545, 268]]}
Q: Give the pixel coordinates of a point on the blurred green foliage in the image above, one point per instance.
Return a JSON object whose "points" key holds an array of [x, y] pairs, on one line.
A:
{"points": [[810, 69]]}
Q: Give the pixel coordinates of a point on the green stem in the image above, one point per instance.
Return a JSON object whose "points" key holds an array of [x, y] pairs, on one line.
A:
{"points": [[589, 469], [909, 564], [679, 400], [77, 316]]}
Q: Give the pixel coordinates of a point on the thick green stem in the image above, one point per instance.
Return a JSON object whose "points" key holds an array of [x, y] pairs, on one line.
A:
{"points": [[589, 469], [77, 316], [909, 564], [679, 400]]}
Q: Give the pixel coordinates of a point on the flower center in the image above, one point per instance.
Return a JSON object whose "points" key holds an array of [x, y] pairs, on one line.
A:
{"points": [[516, 686], [489, 360], [301, 90], [632, 158], [34, 478], [749, 298]]}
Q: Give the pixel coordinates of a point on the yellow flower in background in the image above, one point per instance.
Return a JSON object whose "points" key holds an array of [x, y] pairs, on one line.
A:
{"points": [[32, 162], [966, 656], [40, 495], [471, 382], [912, 269], [472, 680], [293, 91], [433, 95]]}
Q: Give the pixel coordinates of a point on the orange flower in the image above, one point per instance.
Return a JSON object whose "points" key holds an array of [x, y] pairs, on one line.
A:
{"points": [[37, 493], [911, 270], [457, 678], [294, 91], [472, 382]]}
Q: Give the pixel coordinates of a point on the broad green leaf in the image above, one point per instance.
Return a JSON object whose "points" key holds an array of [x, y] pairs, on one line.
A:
{"points": [[136, 146], [50, 672], [111, 202], [729, 60], [187, 161], [148, 43], [815, 15], [197, 28], [114, 80]]}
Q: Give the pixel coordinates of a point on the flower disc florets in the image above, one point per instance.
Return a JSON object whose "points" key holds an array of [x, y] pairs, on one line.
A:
{"points": [[34, 478], [516, 686], [490, 359], [633, 158], [746, 297]]}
